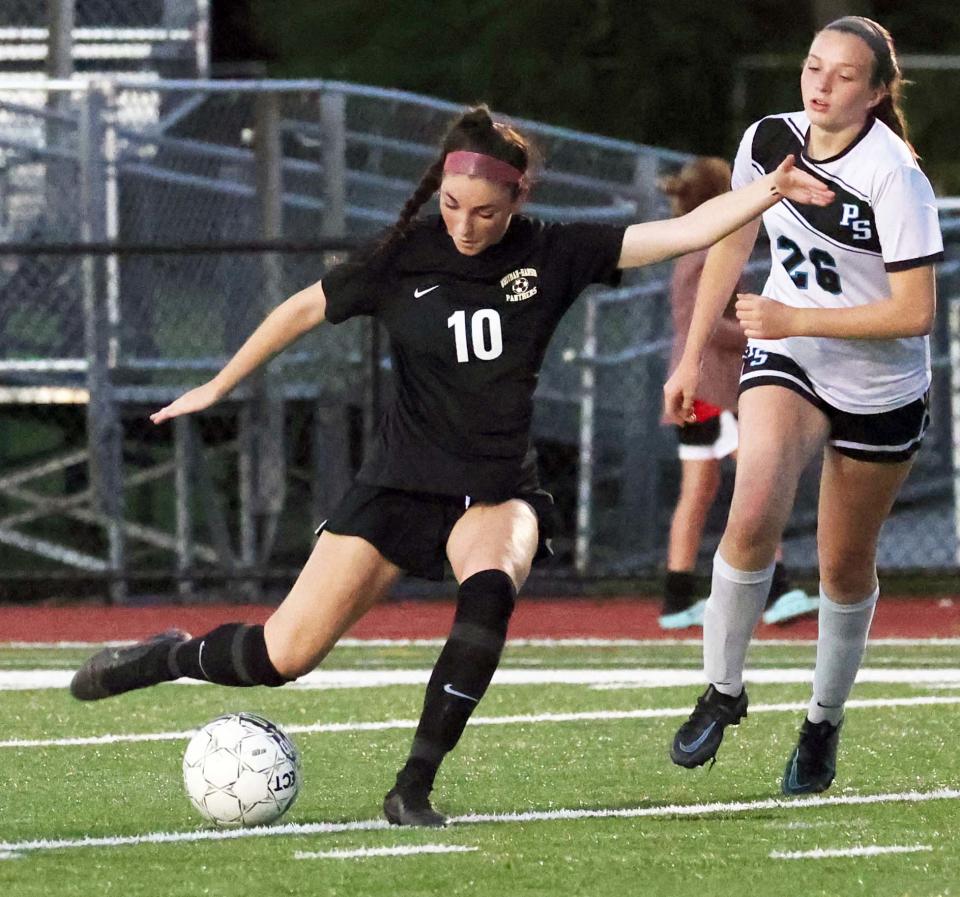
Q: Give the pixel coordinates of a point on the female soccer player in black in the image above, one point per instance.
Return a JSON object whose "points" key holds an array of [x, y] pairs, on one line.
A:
{"points": [[470, 299]]}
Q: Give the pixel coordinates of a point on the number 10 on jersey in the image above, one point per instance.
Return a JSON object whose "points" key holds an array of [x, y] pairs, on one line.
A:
{"points": [[485, 337]]}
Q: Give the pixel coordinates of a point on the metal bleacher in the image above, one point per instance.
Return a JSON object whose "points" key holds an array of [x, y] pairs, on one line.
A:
{"points": [[148, 222], [152, 175]]}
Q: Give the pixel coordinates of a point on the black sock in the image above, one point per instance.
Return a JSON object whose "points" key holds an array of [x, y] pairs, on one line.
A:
{"points": [[461, 675], [232, 654], [781, 583], [678, 590]]}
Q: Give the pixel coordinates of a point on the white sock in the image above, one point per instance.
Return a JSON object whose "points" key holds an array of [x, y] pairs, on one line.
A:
{"points": [[737, 599], [841, 642]]}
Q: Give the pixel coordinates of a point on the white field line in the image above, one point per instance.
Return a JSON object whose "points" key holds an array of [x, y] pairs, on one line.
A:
{"points": [[520, 643], [828, 853], [631, 677], [363, 853], [521, 720], [327, 828]]}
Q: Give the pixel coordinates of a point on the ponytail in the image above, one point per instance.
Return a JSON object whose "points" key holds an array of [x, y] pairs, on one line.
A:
{"points": [[886, 70], [889, 112]]}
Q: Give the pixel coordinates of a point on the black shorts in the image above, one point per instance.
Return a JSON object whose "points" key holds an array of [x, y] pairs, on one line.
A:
{"points": [[410, 529], [887, 436]]}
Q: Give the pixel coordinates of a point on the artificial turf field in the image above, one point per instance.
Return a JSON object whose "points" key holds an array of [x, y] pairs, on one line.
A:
{"points": [[561, 784]]}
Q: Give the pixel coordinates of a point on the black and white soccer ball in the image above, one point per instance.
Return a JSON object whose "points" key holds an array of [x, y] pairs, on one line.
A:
{"points": [[241, 769]]}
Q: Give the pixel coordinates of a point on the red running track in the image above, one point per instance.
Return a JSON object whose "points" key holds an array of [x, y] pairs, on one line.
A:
{"points": [[534, 618]]}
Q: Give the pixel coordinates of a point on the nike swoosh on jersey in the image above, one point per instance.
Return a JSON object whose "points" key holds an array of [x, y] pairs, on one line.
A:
{"points": [[417, 293], [450, 690]]}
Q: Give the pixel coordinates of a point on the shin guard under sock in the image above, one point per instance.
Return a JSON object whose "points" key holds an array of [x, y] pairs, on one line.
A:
{"points": [[841, 641], [232, 654], [736, 602], [462, 673]]}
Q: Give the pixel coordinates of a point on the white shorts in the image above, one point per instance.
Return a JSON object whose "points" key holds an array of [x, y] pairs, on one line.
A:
{"points": [[709, 440]]}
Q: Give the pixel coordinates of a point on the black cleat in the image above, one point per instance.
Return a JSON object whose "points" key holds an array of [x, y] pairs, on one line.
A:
{"points": [[698, 739], [114, 671], [813, 763], [411, 809]]}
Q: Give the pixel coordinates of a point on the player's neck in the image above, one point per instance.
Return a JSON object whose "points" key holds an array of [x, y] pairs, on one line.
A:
{"points": [[825, 144]]}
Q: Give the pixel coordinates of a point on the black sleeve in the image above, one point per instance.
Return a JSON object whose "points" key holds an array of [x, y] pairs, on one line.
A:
{"points": [[356, 287], [589, 253]]}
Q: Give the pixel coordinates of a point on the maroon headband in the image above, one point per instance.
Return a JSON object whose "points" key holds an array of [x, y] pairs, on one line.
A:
{"points": [[481, 165]]}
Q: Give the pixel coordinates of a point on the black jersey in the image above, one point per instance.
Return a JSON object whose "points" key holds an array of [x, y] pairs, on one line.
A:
{"points": [[468, 336]]}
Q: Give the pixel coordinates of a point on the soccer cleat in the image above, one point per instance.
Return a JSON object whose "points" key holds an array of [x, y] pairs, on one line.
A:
{"points": [[698, 739], [791, 605], [682, 619], [813, 763], [411, 809], [114, 671]]}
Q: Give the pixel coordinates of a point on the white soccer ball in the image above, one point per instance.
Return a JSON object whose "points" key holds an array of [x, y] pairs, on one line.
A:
{"points": [[241, 769]]}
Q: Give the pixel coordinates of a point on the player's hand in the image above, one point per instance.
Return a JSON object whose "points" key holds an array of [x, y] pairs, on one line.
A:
{"points": [[680, 391], [763, 318], [799, 186], [195, 400]]}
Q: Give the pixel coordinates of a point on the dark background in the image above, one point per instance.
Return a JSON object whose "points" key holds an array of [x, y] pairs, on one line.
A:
{"points": [[653, 71]]}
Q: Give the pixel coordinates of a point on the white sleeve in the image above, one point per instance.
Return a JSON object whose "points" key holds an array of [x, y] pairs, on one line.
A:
{"points": [[745, 170], [906, 214]]}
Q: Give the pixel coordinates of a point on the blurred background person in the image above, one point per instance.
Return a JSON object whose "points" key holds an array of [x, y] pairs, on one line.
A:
{"points": [[704, 443]]}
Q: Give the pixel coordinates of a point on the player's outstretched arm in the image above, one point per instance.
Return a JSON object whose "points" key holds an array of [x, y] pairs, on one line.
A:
{"points": [[654, 241], [286, 323]]}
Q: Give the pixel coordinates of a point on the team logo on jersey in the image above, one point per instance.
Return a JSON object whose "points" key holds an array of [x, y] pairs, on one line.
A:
{"points": [[859, 227], [520, 284]]}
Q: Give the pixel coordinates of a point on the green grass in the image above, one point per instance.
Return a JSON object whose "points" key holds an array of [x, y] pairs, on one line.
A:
{"points": [[134, 788]]}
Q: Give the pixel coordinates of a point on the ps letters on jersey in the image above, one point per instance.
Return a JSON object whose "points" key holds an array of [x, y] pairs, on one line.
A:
{"points": [[860, 227]]}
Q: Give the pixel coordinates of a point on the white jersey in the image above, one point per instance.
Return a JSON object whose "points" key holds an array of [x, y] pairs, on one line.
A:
{"points": [[883, 219]]}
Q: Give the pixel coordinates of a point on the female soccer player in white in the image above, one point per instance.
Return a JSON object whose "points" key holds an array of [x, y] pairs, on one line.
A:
{"points": [[837, 362], [470, 299]]}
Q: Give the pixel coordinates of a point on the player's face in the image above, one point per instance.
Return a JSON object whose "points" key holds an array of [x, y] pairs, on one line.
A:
{"points": [[476, 211], [835, 82]]}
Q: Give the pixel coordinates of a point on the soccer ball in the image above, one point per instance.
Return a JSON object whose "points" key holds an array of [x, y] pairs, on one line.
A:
{"points": [[241, 769]]}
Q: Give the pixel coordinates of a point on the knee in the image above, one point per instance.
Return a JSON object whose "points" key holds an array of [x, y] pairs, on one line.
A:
{"points": [[848, 575], [290, 656], [750, 528]]}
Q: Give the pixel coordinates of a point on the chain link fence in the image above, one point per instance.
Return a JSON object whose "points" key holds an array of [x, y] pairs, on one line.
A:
{"points": [[146, 228], [161, 37]]}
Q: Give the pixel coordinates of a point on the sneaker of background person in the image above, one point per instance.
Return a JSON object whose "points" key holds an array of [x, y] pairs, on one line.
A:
{"points": [[790, 605], [813, 763], [683, 619], [785, 602]]}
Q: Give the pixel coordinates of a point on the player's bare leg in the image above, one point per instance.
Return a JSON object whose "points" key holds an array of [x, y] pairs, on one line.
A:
{"points": [[342, 579]]}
